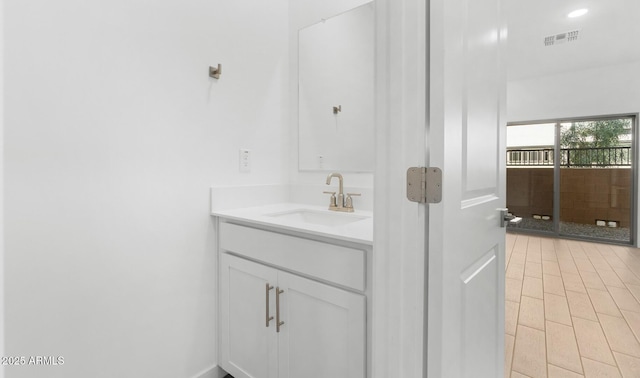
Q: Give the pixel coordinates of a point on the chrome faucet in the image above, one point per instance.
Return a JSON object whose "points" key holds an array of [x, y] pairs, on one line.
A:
{"points": [[340, 203]]}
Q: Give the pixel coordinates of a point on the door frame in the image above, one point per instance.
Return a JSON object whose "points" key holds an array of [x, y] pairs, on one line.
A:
{"points": [[410, 40], [2, 310], [400, 227]]}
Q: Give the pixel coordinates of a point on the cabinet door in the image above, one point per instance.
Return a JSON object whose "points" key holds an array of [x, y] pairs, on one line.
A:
{"points": [[248, 347], [324, 330]]}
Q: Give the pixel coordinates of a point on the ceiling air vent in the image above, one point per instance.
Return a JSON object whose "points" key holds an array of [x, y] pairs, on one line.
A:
{"points": [[570, 36]]}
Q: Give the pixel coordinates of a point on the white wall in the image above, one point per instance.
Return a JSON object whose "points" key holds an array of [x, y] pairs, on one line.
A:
{"points": [[302, 14], [113, 135], [599, 91]]}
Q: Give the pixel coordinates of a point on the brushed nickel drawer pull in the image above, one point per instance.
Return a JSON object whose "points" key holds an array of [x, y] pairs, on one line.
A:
{"points": [[269, 318], [278, 322]]}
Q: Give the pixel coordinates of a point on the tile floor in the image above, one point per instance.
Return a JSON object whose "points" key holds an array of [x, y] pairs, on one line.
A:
{"points": [[572, 308]]}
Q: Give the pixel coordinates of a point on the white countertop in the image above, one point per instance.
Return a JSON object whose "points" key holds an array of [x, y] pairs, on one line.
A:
{"points": [[358, 231]]}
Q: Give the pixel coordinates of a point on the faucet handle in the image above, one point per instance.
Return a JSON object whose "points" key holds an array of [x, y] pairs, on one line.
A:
{"points": [[349, 200], [332, 200]]}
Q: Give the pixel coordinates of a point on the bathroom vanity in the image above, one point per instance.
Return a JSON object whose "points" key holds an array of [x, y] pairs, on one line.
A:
{"points": [[294, 290]]}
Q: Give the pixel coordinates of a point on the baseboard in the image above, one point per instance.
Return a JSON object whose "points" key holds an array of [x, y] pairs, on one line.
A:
{"points": [[212, 372]]}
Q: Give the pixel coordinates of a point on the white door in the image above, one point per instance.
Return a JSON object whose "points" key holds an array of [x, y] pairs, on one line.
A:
{"points": [[248, 341], [439, 268], [324, 330], [466, 243]]}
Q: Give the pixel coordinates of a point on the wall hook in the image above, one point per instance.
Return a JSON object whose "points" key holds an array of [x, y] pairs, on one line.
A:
{"points": [[337, 109], [215, 72]]}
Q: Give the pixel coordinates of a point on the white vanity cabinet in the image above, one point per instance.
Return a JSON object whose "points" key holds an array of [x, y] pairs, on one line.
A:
{"points": [[316, 290], [248, 347]]}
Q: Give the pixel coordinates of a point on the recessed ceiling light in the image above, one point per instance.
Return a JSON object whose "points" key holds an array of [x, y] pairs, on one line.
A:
{"points": [[578, 13]]}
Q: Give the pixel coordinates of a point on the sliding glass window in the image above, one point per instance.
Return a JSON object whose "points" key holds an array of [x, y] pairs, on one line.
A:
{"points": [[573, 178], [530, 174]]}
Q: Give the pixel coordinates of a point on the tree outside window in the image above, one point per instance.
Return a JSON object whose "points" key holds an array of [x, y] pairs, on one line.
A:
{"points": [[598, 143]]}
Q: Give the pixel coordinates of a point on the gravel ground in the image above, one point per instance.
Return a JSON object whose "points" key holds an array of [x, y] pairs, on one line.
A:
{"points": [[576, 229]]}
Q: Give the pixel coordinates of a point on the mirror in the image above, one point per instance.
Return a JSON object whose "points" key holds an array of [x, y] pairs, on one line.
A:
{"points": [[336, 93]]}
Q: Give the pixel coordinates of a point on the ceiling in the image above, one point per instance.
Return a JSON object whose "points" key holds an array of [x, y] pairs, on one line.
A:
{"points": [[609, 35]]}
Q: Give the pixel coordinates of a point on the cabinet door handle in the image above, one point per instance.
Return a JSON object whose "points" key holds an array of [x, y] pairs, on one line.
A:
{"points": [[278, 322], [269, 318]]}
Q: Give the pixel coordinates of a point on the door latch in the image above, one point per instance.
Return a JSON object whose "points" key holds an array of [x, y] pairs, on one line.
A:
{"points": [[507, 218], [424, 185]]}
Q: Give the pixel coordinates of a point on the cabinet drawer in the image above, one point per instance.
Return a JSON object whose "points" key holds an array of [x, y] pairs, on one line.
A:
{"points": [[341, 265]]}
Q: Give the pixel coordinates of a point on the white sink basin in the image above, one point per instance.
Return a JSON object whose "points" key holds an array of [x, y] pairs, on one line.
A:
{"points": [[322, 218]]}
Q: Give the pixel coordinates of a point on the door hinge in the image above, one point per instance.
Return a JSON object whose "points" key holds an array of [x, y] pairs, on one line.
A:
{"points": [[424, 185]]}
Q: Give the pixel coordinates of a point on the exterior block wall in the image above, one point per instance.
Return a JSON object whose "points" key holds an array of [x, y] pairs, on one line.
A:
{"points": [[586, 194]]}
